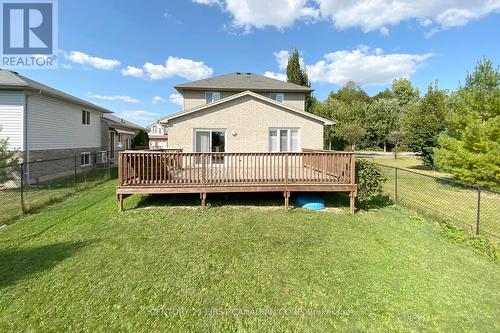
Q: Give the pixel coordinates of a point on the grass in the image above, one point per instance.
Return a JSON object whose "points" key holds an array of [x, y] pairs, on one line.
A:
{"points": [[39, 195], [80, 266], [442, 199]]}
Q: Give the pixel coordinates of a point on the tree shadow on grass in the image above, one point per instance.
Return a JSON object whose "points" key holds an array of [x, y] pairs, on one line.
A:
{"points": [[340, 199], [18, 264]]}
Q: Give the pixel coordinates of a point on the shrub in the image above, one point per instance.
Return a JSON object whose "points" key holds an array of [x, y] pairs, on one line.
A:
{"points": [[141, 139], [369, 179]]}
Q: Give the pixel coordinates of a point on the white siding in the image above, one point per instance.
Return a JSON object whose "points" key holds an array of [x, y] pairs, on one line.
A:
{"points": [[55, 124], [12, 118]]}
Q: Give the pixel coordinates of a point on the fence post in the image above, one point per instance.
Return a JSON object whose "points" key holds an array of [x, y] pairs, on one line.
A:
{"points": [[23, 207], [76, 180], [396, 185], [478, 216]]}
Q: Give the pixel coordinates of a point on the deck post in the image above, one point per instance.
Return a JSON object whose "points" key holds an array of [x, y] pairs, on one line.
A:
{"points": [[120, 202], [352, 202], [286, 194], [203, 198]]}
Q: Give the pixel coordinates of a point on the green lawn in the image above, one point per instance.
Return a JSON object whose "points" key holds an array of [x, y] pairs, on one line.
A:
{"points": [[443, 200], [81, 266], [39, 195]]}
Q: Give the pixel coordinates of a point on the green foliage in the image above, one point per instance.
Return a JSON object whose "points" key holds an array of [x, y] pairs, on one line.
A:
{"points": [[396, 138], [141, 139], [296, 73], [470, 148], [7, 157], [352, 133], [424, 122], [350, 93], [404, 92], [370, 180], [384, 94], [383, 117]]}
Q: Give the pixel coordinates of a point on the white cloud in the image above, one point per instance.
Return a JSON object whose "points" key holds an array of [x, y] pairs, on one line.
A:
{"points": [[177, 99], [96, 62], [138, 115], [384, 31], [369, 15], [185, 68], [207, 2], [365, 67], [282, 58], [277, 76], [132, 71], [126, 99], [158, 100]]}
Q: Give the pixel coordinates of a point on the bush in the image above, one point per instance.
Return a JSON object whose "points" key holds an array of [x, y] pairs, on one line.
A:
{"points": [[141, 139], [370, 180]]}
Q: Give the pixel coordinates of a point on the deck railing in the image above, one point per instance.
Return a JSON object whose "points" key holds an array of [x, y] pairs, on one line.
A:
{"points": [[164, 168]]}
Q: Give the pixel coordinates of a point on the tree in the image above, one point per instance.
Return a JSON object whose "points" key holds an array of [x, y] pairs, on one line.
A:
{"points": [[425, 122], [141, 139], [7, 158], [352, 133], [384, 94], [383, 118], [296, 73], [396, 138], [404, 91], [470, 147], [350, 93]]}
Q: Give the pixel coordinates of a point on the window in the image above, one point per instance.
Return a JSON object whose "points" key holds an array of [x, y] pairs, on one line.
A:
{"points": [[283, 139], [212, 96], [85, 159], [85, 117], [120, 138], [278, 97]]}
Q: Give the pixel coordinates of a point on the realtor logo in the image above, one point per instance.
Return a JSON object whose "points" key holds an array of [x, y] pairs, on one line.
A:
{"points": [[29, 33]]}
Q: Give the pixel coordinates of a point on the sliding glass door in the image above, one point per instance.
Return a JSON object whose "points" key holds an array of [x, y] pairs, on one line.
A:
{"points": [[213, 141]]}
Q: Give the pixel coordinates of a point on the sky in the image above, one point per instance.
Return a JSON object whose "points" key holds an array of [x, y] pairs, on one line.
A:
{"points": [[127, 55]]}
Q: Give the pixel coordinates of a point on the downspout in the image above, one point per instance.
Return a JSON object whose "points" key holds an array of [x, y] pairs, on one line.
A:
{"points": [[26, 153]]}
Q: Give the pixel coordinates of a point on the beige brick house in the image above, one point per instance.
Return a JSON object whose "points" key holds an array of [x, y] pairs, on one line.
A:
{"points": [[244, 112]]}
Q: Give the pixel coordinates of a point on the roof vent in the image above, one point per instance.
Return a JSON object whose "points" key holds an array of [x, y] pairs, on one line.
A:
{"points": [[238, 73], [249, 73]]}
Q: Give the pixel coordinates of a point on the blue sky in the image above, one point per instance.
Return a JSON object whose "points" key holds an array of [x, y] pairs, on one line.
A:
{"points": [[171, 42]]}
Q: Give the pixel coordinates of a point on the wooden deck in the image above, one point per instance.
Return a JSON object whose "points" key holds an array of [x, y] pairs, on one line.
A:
{"points": [[158, 172]]}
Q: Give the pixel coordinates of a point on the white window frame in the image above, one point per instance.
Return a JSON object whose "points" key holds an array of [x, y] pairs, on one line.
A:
{"points": [[276, 95], [211, 99], [289, 139], [87, 153], [86, 118]]}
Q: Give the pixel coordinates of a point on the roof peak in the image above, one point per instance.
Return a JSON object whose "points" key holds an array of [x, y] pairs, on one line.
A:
{"points": [[240, 81]]}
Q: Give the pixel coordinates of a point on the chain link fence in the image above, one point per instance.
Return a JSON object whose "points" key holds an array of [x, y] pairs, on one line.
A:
{"points": [[26, 187], [472, 208]]}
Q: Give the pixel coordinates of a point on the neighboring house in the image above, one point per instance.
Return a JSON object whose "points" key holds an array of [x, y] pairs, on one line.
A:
{"points": [[244, 112], [117, 134], [158, 138], [43, 123]]}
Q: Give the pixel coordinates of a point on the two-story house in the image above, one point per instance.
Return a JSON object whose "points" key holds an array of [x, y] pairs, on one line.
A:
{"points": [[158, 138], [244, 112]]}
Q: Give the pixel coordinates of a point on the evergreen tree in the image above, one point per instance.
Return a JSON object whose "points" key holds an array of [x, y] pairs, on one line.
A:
{"points": [[470, 148], [296, 73]]}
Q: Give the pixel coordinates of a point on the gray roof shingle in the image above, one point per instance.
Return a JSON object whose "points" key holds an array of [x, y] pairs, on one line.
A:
{"points": [[243, 81], [13, 80], [121, 122]]}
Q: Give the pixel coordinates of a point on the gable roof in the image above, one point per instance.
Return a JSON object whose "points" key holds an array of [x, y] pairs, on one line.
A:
{"points": [[240, 95], [243, 81], [115, 121], [14, 80]]}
